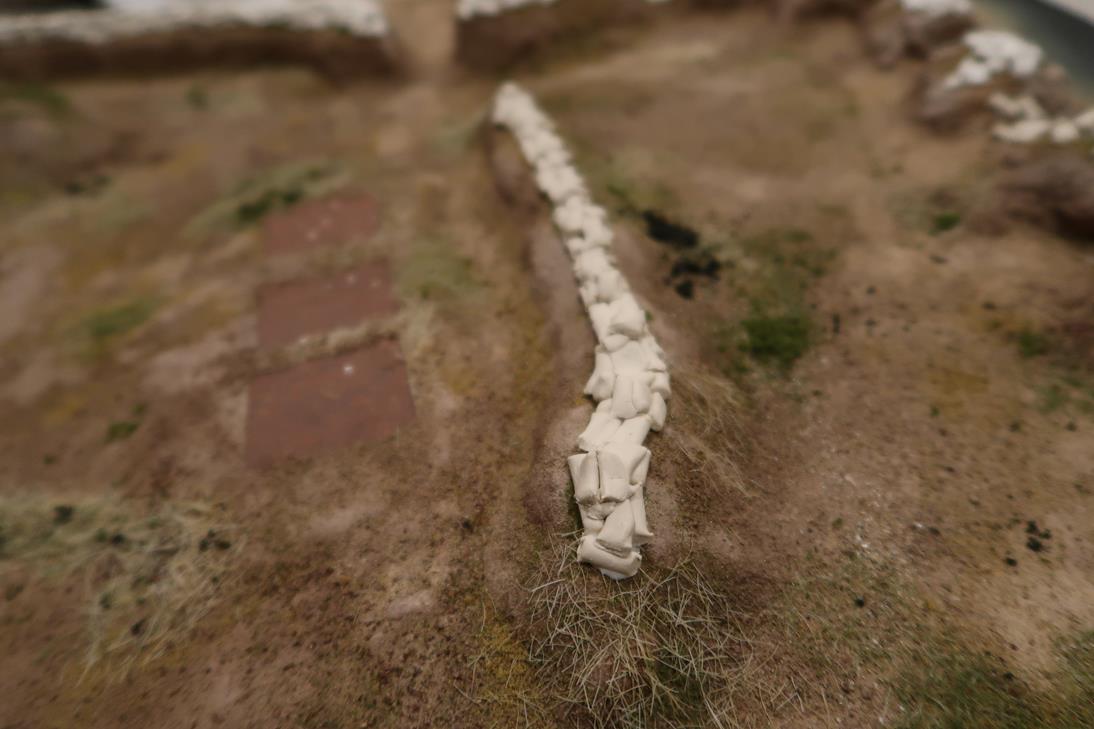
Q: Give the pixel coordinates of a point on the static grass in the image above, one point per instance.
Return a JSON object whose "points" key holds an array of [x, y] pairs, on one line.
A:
{"points": [[773, 269], [268, 192], [965, 690], [932, 211], [777, 339], [627, 191], [197, 98], [1032, 343], [121, 429], [433, 271], [49, 100], [944, 222], [662, 649], [147, 578], [859, 623], [103, 326]]}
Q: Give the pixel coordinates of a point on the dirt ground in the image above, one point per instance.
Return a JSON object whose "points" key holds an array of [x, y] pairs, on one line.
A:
{"points": [[879, 460]]}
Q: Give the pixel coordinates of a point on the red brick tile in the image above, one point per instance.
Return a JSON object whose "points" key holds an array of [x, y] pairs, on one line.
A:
{"points": [[288, 311], [321, 405], [320, 223]]}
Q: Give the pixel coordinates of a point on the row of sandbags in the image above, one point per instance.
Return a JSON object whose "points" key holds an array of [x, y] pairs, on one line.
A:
{"points": [[630, 381], [970, 70], [130, 18], [468, 9]]}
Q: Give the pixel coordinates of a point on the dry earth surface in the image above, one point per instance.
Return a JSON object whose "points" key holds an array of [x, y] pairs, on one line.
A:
{"points": [[874, 500]]}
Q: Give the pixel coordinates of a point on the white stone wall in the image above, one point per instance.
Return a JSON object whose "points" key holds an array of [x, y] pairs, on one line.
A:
{"points": [[630, 380], [127, 18]]}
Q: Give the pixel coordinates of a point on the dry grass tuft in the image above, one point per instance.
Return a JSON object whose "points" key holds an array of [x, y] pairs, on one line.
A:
{"points": [[147, 579], [663, 649], [704, 434]]}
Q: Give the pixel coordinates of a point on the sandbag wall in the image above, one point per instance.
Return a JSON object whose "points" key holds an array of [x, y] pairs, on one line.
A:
{"points": [[971, 70], [630, 380], [341, 38]]}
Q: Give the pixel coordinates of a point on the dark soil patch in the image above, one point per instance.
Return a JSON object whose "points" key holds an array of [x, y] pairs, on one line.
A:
{"points": [[691, 263], [666, 231]]}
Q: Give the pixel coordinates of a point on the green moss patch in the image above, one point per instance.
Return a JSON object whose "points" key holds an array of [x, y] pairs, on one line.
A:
{"points": [[1032, 343], [777, 339], [435, 270], [267, 192], [47, 99], [860, 622], [105, 325], [772, 270]]}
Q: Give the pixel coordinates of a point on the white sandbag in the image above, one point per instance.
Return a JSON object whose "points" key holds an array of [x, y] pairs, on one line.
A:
{"points": [[1085, 121], [661, 385], [585, 474], [591, 263], [615, 483], [570, 216], [617, 534], [633, 430], [635, 460], [1064, 131], [591, 523], [602, 426], [610, 285], [602, 382], [611, 565], [1023, 132], [642, 533], [937, 8], [631, 359], [657, 412], [627, 317], [600, 316], [631, 395]]}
